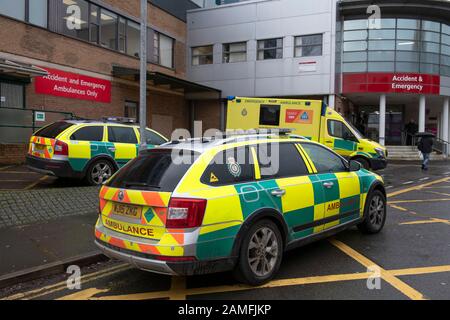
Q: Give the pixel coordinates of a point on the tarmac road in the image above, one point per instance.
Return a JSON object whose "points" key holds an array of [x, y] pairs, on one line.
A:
{"points": [[410, 259]]}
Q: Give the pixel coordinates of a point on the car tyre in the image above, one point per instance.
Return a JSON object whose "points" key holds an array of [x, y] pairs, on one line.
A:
{"points": [[260, 254], [99, 172], [374, 213]]}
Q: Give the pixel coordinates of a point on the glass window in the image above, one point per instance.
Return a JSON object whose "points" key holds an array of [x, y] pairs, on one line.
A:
{"points": [[445, 50], [91, 133], [355, 46], [355, 35], [429, 58], [431, 36], [235, 52], [445, 71], [122, 34], [53, 130], [445, 39], [14, 9], [308, 46], [133, 38], [405, 45], [38, 12], [339, 130], [446, 29], [155, 46], [153, 138], [429, 68], [407, 67], [153, 170], [381, 34], [12, 95], [122, 135], [408, 24], [270, 49], [269, 115], [430, 47], [74, 20], [165, 51], [431, 26], [381, 55], [355, 56], [445, 60], [280, 161], [108, 29], [95, 24], [380, 66], [381, 45], [355, 67], [230, 167], [202, 55], [408, 35], [324, 160], [388, 23], [407, 56], [130, 111], [356, 24]]}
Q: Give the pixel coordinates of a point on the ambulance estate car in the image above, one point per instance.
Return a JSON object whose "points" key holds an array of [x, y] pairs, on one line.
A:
{"points": [[238, 204], [90, 150], [311, 119]]}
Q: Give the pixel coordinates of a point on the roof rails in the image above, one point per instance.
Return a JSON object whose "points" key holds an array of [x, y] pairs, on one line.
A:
{"points": [[121, 120]]}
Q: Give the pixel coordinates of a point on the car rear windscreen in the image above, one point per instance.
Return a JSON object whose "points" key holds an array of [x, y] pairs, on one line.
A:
{"points": [[154, 170], [53, 130]]}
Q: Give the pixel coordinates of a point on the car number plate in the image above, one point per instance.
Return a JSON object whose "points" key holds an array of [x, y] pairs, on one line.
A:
{"points": [[39, 147], [127, 210]]}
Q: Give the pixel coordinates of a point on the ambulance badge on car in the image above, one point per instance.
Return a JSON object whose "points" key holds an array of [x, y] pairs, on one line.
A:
{"points": [[121, 195]]}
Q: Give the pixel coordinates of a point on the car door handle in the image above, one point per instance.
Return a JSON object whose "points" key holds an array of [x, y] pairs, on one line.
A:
{"points": [[329, 141], [112, 149], [278, 193], [328, 185]]}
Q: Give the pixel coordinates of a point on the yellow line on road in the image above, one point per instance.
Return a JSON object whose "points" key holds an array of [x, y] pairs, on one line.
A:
{"points": [[418, 187], [431, 220], [4, 168], [398, 207], [416, 201], [35, 183], [419, 271], [178, 288], [84, 294], [385, 275]]}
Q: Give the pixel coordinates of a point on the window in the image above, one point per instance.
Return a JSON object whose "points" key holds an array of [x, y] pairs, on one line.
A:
{"points": [[133, 39], [131, 110], [202, 55], [235, 52], [230, 167], [122, 135], [339, 130], [152, 170], [14, 9], [37, 12], [324, 160], [53, 130], [307, 46], [153, 138], [165, 51], [280, 161], [270, 49], [122, 34], [74, 19], [108, 29], [91, 133], [95, 24], [269, 115], [12, 95], [32, 11]]}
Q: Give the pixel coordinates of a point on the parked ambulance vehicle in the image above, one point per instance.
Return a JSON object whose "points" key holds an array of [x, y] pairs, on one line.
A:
{"points": [[311, 119]]}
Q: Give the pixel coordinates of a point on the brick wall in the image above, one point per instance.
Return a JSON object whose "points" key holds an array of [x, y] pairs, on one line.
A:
{"points": [[12, 153]]}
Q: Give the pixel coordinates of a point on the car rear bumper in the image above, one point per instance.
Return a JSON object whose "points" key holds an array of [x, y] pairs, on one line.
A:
{"points": [[378, 164], [58, 168], [149, 263]]}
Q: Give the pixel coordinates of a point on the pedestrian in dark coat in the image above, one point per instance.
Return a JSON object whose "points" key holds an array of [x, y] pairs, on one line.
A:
{"points": [[426, 147]]}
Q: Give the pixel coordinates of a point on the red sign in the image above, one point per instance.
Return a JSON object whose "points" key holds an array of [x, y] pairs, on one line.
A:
{"points": [[74, 86], [299, 116], [391, 83]]}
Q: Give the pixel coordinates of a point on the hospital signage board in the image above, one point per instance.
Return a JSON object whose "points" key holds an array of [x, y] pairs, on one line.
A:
{"points": [[73, 86]]}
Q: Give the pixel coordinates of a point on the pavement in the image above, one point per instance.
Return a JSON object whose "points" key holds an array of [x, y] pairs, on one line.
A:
{"points": [[410, 258]]}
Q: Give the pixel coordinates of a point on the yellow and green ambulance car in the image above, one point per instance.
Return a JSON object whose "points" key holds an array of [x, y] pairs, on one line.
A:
{"points": [[90, 150], [233, 203], [308, 118]]}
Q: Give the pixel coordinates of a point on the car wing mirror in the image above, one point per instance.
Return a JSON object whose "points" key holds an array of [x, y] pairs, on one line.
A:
{"points": [[354, 166]]}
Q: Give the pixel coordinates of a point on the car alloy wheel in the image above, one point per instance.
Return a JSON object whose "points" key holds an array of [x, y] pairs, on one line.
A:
{"points": [[376, 211], [101, 172], [263, 252]]}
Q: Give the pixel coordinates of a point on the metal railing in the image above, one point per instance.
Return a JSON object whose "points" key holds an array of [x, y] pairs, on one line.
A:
{"points": [[439, 145], [17, 125]]}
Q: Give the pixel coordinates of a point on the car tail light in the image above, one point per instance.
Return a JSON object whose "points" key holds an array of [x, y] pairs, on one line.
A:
{"points": [[175, 259], [61, 148], [185, 213]]}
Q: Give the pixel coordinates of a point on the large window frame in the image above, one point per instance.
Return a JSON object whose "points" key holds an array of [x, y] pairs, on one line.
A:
{"points": [[264, 49], [157, 49], [421, 48], [302, 46], [201, 55], [26, 15], [228, 51]]}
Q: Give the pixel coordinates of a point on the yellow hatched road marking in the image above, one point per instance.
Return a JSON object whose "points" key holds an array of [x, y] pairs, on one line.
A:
{"points": [[407, 290], [419, 271], [431, 220], [35, 183], [417, 201], [397, 207], [415, 188]]}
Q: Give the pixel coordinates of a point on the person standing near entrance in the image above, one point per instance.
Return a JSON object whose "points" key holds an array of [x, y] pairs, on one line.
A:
{"points": [[426, 147], [411, 129]]}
